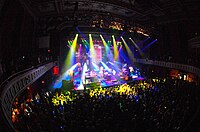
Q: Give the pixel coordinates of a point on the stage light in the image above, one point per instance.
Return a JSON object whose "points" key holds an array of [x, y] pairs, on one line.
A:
{"points": [[83, 73], [84, 39], [115, 48], [130, 54], [56, 70], [105, 45], [95, 66], [92, 50], [149, 45], [64, 76], [79, 52], [141, 53], [70, 60], [105, 66]]}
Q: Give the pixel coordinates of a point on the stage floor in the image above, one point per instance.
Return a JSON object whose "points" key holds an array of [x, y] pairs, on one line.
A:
{"points": [[82, 75], [79, 84]]}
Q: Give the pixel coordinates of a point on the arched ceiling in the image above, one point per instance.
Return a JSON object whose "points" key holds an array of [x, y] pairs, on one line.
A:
{"points": [[147, 13], [136, 10]]}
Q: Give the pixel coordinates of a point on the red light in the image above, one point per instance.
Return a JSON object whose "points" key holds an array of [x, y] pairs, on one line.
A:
{"points": [[55, 70], [49, 50], [42, 81]]}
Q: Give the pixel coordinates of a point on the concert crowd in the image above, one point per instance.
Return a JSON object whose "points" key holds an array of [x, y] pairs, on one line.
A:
{"points": [[165, 105]]}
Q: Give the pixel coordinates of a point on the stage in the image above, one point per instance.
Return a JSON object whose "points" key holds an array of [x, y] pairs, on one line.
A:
{"points": [[98, 61], [82, 77]]}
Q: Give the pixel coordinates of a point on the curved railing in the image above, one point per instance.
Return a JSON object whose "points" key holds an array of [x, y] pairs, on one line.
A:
{"points": [[194, 42], [17, 84], [183, 67], [20, 82]]}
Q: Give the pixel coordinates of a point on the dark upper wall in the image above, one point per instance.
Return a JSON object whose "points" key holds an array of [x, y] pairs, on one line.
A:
{"points": [[16, 29], [172, 40]]}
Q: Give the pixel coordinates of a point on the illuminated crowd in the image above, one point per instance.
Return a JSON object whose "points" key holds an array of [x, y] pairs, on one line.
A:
{"points": [[166, 105], [99, 92]]}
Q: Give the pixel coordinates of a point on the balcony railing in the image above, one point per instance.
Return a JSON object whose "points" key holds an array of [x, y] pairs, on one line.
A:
{"points": [[194, 42], [20, 82], [17, 84], [183, 67]]}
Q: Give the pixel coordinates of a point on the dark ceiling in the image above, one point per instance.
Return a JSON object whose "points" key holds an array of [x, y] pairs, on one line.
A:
{"points": [[137, 10]]}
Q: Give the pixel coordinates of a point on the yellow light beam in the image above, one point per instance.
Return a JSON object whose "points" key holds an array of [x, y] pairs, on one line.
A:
{"points": [[115, 48], [130, 54], [71, 54], [92, 50]]}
